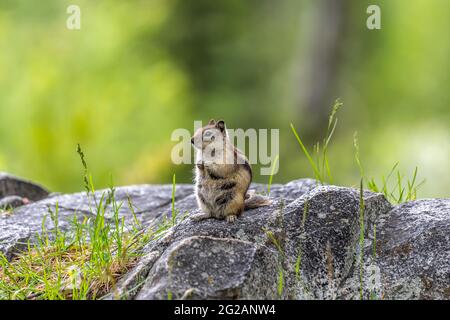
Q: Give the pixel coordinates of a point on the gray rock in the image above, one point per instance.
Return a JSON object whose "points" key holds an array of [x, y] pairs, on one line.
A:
{"points": [[264, 243], [14, 186], [408, 257], [211, 268], [322, 229], [24, 223], [11, 202], [249, 229], [413, 248], [307, 245]]}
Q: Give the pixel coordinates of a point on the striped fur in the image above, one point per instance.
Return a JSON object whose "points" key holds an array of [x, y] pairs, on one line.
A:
{"points": [[221, 188]]}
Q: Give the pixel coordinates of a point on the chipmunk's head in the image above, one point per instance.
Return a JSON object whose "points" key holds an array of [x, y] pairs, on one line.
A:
{"points": [[210, 136]]}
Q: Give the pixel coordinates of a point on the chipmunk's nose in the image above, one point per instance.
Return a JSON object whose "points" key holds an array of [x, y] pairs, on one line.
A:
{"points": [[192, 140]]}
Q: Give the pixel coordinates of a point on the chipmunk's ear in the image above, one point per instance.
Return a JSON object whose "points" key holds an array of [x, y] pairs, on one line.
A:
{"points": [[212, 122], [221, 125]]}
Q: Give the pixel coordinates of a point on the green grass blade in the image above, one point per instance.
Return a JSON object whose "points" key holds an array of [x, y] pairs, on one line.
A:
{"points": [[308, 156], [271, 174], [174, 215]]}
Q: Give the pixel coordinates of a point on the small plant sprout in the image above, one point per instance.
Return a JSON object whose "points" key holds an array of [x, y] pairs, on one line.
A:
{"points": [[281, 254], [271, 174], [374, 256], [321, 165], [174, 212], [298, 262], [358, 161], [87, 177], [396, 192], [84, 263], [302, 228], [280, 282], [361, 238]]}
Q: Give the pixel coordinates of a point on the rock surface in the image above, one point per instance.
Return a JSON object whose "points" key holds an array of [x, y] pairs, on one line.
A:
{"points": [[14, 186], [414, 250], [149, 202], [306, 245], [11, 202]]}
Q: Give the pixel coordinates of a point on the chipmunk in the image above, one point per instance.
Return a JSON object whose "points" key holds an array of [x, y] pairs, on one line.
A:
{"points": [[222, 175]]}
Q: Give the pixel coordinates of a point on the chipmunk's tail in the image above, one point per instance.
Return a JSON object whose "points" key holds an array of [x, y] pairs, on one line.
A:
{"points": [[253, 200]]}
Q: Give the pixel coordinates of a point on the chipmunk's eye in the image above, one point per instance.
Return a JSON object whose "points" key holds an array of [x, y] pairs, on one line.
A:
{"points": [[207, 134]]}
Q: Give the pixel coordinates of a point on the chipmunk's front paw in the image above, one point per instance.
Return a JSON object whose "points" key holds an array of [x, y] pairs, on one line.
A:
{"points": [[231, 218], [200, 216]]}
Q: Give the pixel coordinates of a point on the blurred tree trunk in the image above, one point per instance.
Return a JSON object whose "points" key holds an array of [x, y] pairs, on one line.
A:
{"points": [[323, 64]]}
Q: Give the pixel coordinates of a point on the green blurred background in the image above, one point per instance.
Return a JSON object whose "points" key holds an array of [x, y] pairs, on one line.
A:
{"points": [[137, 70]]}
